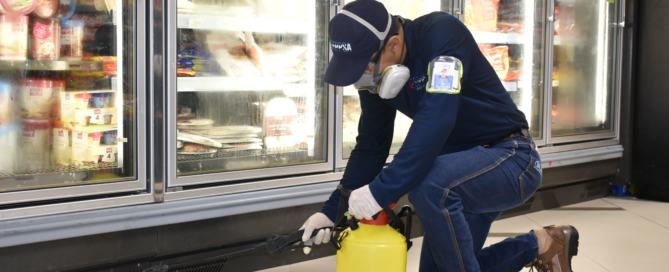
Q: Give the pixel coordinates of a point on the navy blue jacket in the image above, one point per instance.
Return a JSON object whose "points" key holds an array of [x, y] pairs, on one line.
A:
{"points": [[443, 123]]}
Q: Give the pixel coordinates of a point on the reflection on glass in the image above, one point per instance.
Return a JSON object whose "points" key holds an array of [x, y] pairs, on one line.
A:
{"points": [[351, 103], [67, 96], [351, 115], [581, 75], [248, 92], [510, 36]]}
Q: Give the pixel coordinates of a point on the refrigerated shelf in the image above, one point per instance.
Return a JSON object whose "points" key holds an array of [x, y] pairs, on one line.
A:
{"points": [[498, 38], [239, 160], [251, 84], [56, 65], [58, 176], [248, 24]]}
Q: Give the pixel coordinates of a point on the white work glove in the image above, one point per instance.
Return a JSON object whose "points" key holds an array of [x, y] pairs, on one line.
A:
{"points": [[362, 205], [317, 221]]}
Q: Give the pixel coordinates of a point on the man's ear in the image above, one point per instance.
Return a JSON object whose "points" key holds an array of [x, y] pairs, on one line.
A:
{"points": [[393, 45]]}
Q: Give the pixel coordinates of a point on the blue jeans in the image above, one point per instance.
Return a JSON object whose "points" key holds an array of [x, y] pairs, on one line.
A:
{"points": [[463, 194]]}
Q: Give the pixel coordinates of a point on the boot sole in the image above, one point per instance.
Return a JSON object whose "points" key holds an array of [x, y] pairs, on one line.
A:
{"points": [[572, 249]]}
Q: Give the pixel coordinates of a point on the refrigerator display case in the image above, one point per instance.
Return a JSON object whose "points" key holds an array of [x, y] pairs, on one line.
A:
{"points": [[247, 94], [69, 99], [510, 34], [558, 60], [583, 76], [350, 103]]}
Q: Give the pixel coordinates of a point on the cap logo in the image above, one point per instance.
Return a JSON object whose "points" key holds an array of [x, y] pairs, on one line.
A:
{"points": [[380, 35], [344, 47]]}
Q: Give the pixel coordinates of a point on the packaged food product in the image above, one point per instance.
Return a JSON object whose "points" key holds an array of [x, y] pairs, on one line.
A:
{"points": [[89, 146], [46, 39], [8, 135], [109, 137], [109, 64], [85, 108], [280, 120], [72, 40], [62, 147], [498, 57], [89, 117], [17, 7], [6, 103], [100, 100], [34, 154], [83, 80], [14, 41], [46, 8], [481, 15], [37, 96]]}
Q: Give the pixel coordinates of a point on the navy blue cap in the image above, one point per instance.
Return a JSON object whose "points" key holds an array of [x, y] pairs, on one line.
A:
{"points": [[356, 33]]}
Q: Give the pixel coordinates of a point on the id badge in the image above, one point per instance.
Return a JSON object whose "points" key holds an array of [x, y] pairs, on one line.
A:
{"points": [[445, 74]]}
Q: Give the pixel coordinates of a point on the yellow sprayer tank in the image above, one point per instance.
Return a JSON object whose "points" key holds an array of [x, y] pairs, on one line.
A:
{"points": [[374, 246]]}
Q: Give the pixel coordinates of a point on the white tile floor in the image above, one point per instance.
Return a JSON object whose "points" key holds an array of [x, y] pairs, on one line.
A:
{"points": [[616, 235]]}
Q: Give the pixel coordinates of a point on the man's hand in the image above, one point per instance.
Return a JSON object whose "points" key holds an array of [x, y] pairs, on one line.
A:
{"points": [[362, 205], [317, 221]]}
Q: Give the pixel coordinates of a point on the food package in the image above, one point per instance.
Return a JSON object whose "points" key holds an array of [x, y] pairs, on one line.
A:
{"points": [[109, 64], [90, 117], [510, 17], [14, 41], [84, 80], [8, 145], [91, 146], [17, 7], [481, 15], [46, 8], [280, 124], [498, 57], [62, 146], [46, 39], [34, 153], [87, 108], [38, 96], [6, 102], [197, 139], [72, 40]]}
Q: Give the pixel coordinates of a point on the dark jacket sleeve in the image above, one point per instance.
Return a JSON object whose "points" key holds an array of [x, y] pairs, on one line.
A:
{"points": [[434, 120], [375, 135]]}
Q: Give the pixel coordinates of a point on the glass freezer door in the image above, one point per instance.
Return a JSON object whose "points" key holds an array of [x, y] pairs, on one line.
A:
{"points": [[351, 102], [583, 55], [249, 88], [510, 34], [68, 98]]}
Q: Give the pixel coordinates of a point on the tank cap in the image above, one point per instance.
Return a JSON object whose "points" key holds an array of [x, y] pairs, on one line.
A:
{"points": [[380, 219]]}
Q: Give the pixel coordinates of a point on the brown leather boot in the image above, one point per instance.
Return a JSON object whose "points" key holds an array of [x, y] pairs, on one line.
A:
{"points": [[558, 256]]}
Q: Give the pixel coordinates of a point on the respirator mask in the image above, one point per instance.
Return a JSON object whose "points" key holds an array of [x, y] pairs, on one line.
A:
{"points": [[389, 82]]}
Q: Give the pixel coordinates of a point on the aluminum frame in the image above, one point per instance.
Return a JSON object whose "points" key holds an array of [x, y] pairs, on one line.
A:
{"points": [[77, 206], [156, 84], [576, 146], [253, 186], [573, 157], [619, 58], [63, 226], [173, 180], [548, 77], [140, 182], [611, 133]]}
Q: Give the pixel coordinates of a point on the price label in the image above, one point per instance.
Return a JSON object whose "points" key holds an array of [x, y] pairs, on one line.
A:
{"points": [[97, 119], [109, 155]]}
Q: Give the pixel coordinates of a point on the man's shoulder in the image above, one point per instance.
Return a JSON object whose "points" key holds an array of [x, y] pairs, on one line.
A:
{"points": [[437, 18]]}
